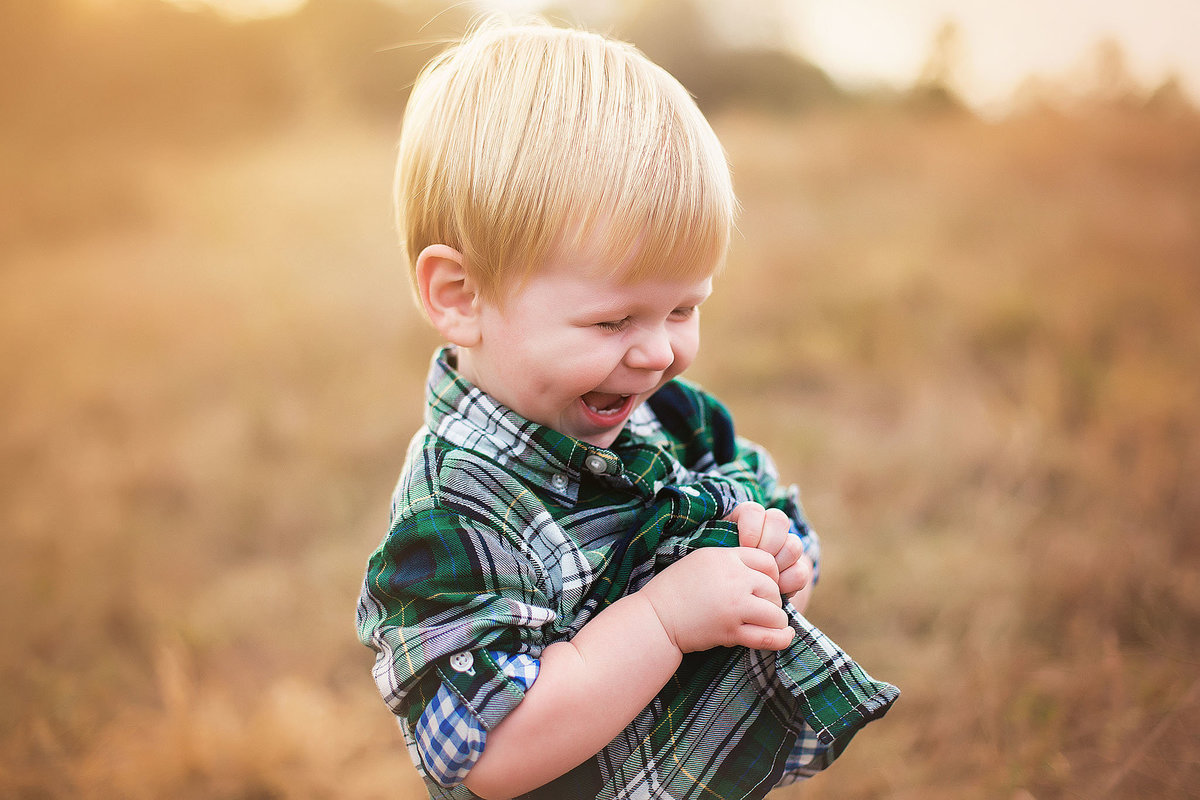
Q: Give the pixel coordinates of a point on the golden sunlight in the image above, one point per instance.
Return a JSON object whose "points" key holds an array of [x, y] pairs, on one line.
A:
{"points": [[863, 42], [244, 9], [970, 339]]}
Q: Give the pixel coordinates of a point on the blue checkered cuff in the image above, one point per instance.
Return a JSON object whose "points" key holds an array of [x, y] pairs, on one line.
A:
{"points": [[449, 738]]}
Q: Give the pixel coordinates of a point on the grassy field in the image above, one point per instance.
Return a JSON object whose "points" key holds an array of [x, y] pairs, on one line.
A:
{"points": [[974, 346]]}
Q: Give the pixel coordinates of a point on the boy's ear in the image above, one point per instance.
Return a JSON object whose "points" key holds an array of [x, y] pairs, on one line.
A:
{"points": [[448, 294]]}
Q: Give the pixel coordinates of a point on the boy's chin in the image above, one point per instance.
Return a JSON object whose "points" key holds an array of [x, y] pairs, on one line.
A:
{"points": [[603, 441], [604, 438]]}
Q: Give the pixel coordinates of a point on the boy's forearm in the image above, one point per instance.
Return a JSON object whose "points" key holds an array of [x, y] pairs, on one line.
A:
{"points": [[587, 691]]}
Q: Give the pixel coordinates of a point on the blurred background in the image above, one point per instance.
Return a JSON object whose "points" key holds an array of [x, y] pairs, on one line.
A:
{"points": [[961, 310]]}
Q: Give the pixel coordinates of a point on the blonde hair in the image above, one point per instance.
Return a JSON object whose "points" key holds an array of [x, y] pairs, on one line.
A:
{"points": [[524, 141]]}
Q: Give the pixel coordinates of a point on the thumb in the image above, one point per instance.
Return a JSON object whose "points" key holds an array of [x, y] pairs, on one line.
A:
{"points": [[756, 637]]}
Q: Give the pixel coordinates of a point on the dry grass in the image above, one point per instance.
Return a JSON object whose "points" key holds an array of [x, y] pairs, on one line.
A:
{"points": [[975, 347]]}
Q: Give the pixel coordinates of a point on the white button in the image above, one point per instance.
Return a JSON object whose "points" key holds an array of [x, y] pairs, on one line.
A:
{"points": [[595, 464], [463, 662], [690, 490], [559, 481]]}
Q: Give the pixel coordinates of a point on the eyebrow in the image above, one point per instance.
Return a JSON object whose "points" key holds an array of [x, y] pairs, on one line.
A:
{"points": [[603, 308]]}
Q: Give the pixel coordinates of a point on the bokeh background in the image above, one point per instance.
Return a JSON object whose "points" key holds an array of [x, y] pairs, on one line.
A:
{"points": [[968, 331]]}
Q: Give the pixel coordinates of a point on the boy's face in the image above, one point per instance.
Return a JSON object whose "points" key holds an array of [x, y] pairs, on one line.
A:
{"points": [[579, 352]]}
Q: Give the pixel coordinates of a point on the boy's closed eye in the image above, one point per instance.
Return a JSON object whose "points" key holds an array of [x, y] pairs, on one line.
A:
{"points": [[679, 314], [684, 312], [616, 326]]}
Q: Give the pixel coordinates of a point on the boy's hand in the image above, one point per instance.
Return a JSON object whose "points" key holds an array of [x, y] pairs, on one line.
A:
{"points": [[720, 597], [769, 530]]}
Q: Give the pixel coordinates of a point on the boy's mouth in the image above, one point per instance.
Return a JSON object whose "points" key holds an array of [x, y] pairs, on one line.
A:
{"points": [[605, 404]]}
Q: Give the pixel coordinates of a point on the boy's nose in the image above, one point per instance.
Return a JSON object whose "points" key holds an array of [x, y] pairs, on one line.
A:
{"points": [[652, 351]]}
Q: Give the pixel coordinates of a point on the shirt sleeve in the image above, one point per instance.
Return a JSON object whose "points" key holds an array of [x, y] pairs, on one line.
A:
{"points": [[440, 587], [449, 738]]}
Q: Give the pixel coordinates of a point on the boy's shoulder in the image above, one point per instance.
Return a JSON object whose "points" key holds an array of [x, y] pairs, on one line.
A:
{"points": [[465, 479], [416, 490]]}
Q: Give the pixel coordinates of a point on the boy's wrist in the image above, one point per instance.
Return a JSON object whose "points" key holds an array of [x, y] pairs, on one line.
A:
{"points": [[653, 620]]}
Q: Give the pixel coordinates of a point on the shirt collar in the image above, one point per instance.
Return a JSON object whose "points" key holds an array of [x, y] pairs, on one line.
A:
{"points": [[460, 413]]}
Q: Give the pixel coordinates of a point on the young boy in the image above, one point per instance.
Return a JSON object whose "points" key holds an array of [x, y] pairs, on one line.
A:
{"points": [[585, 589]]}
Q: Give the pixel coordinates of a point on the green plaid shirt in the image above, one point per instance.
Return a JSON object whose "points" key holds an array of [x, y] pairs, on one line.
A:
{"points": [[509, 536]]}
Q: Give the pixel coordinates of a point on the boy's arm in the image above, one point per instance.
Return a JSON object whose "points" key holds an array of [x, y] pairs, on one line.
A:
{"points": [[619, 661]]}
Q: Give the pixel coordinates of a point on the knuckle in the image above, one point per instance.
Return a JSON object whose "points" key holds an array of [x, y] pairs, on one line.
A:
{"points": [[761, 561]]}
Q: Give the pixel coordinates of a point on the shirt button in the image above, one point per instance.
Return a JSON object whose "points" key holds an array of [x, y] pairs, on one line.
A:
{"points": [[595, 464], [463, 662], [559, 481]]}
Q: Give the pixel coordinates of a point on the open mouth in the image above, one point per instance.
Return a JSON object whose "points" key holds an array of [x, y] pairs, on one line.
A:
{"points": [[607, 406]]}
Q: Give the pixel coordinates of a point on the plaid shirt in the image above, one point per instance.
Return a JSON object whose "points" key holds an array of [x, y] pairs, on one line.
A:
{"points": [[507, 536]]}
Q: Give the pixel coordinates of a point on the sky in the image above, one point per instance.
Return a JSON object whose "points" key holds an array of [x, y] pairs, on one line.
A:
{"points": [[862, 43]]}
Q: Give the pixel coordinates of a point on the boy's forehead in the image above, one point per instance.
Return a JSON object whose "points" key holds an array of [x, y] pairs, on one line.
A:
{"points": [[619, 265], [611, 256], [623, 250], [590, 281]]}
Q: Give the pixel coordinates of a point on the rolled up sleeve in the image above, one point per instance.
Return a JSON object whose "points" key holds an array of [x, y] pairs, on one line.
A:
{"points": [[449, 735]]}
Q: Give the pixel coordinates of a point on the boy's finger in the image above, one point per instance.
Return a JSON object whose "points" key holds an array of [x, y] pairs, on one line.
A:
{"points": [[789, 553], [767, 589], [750, 519], [742, 508], [777, 529], [775, 518], [765, 613], [759, 638], [773, 540], [760, 561], [793, 579]]}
